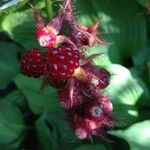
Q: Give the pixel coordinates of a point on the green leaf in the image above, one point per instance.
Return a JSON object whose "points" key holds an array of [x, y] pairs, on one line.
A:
{"points": [[8, 63], [21, 31], [16, 98], [144, 114], [144, 98], [126, 29], [11, 124], [59, 120], [141, 57], [124, 91], [137, 135], [11, 5], [48, 139], [124, 85], [143, 2], [54, 132], [39, 101], [148, 68], [14, 145], [91, 147]]}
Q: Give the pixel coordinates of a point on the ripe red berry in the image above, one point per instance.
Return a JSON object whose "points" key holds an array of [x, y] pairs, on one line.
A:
{"points": [[32, 63], [61, 62]]}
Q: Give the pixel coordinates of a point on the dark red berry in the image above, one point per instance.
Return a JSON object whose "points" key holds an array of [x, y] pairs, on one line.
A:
{"points": [[61, 62], [32, 63]]}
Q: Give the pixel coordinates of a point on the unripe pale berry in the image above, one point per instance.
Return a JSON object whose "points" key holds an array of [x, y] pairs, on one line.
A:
{"points": [[46, 36]]}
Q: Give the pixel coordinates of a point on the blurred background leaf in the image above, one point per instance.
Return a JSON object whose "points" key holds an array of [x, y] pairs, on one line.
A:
{"points": [[7, 6], [143, 2], [124, 94], [8, 63], [91, 147], [12, 126], [21, 31], [54, 131], [137, 135]]}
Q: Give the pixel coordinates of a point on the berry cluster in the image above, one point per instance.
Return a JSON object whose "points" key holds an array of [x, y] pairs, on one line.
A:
{"points": [[80, 84]]}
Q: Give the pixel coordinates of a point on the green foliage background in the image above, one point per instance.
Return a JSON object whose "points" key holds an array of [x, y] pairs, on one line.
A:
{"points": [[34, 120]]}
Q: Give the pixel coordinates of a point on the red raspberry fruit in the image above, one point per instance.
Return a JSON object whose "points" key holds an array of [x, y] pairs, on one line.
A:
{"points": [[61, 62], [32, 63]]}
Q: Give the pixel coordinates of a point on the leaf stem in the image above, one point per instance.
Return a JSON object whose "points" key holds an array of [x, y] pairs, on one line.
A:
{"points": [[49, 8]]}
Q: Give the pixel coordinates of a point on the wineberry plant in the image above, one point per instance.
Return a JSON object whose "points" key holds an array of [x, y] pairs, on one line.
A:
{"points": [[74, 74]]}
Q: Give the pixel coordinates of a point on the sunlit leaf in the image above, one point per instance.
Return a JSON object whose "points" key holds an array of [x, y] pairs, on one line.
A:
{"points": [[21, 31], [124, 91], [137, 135], [11, 5]]}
